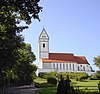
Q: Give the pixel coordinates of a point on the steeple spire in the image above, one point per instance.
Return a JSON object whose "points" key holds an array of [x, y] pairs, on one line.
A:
{"points": [[44, 34], [43, 44]]}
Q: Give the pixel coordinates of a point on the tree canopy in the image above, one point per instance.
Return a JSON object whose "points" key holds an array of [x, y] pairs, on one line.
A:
{"points": [[97, 61], [23, 70], [14, 53], [20, 10]]}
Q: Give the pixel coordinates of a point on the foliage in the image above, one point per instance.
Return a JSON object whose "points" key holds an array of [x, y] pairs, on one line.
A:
{"points": [[20, 10], [99, 86], [82, 85], [52, 80], [97, 61], [42, 75], [23, 70], [61, 89], [83, 77], [64, 86], [72, 75], [95, 76], [12, 13], [40, 80], [45, 75], [43, 85]]}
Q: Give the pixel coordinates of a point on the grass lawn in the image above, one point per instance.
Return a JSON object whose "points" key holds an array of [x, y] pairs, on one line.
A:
{"points": [[88, 84], [40, 80], [82, 85], [48, 90]]}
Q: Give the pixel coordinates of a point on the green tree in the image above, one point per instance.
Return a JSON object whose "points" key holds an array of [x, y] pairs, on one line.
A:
{"points": [[23, 71], [12, 13], [97, 61]]}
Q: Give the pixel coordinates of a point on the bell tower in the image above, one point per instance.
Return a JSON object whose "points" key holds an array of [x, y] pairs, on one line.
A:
{"points": [[43, 45]]}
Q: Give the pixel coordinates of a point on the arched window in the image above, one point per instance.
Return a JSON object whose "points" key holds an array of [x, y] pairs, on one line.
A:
{"points": [[43, 45]]}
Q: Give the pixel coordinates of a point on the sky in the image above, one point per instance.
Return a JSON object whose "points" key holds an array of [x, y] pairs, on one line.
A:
{"points": [[72, 25]]}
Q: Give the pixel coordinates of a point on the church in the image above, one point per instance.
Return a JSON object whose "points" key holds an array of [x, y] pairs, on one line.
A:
{"points": [[60, 62]]}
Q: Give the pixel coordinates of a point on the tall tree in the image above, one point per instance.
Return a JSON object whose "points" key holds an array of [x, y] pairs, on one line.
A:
{"points": [[97, 61], [23, 70], [12, 13]]}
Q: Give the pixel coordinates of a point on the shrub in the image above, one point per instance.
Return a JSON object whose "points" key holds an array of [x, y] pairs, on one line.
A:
{"points": [[83, 77], [76, 79], [64, 86], [95, 76], [52, 80], [43, 85], [99, 86], [42, 74], [48, 75]]}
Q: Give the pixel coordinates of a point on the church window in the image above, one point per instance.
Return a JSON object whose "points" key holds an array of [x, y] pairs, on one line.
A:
{"points": [[43, 45], [78, 68], [63, 66], [83, 68], [70, 66], [66, 66], [57, 65], [73, 66], [54, 65], [43, 36], [60, 65]]}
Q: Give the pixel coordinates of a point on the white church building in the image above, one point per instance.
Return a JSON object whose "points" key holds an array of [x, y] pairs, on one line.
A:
{"points": [[61, 62]]}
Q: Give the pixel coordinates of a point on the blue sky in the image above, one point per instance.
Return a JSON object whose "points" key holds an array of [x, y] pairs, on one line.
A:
{"points": [[72, 25]]}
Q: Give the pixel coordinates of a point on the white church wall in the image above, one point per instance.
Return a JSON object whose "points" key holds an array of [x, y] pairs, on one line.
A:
{"points": [[88, 67], [44, 55], [45, 70], [44, 48], [84, 67], [75, 66], [47, 66], [40, 63]]}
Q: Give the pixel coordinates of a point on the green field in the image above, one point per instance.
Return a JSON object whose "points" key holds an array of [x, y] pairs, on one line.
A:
{"points": [[87, 85], [48, 90]]}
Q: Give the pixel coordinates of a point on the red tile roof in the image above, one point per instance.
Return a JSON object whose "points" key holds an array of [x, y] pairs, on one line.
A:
{"points": [[65, 57], [81, 59], [61, 56]]}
